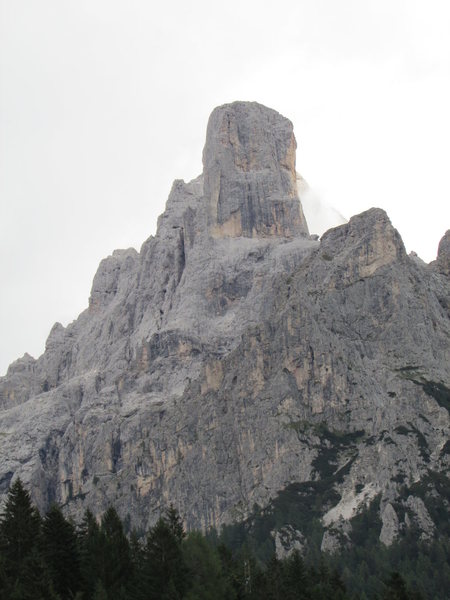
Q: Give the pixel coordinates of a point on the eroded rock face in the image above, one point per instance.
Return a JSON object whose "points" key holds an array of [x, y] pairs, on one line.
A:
{"points": [[19, 382], [233, 358], [288, 540], [421, 516], [442, 263], [389, 531], [250, 177]]}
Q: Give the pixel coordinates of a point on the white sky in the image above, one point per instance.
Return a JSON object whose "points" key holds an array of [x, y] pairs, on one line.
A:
{"points": [[104, 102]]}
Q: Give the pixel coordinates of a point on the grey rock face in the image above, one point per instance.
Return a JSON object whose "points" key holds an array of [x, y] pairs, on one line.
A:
{"points": [[336, 537], [421, 516], [250, 178], [287, 540], [233, 357], [389, 531], [19, 382], [442, 263]]}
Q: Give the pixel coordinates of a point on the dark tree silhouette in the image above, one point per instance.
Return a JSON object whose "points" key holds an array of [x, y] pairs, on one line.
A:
{"points": [[60, 552]]}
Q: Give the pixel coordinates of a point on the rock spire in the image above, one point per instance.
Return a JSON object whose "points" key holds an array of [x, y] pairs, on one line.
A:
{"points": [[235, 362], [249, 173]]}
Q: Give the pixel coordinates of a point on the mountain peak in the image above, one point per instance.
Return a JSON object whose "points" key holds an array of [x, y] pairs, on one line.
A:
{"points": [[235, 362], [249, 173], [444, 253]]}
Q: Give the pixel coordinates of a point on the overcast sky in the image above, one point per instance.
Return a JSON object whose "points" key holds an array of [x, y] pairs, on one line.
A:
{"points": [[104, 102]]}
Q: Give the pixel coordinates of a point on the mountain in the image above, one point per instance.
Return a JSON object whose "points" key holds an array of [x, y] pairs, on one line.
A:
{"points": [[237, 365]]}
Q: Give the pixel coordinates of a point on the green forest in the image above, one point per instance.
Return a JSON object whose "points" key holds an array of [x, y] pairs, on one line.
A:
{"points": [[50, 557]]}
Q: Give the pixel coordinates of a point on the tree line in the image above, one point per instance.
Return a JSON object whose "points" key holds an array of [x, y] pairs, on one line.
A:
{"points": [[52, 558]]}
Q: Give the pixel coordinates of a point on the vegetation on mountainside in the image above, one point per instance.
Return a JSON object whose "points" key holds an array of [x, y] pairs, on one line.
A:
{"points": [[51, 558], [363, 562]]}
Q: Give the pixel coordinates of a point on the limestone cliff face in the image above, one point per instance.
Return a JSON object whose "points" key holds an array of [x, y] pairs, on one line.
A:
{"points": [[250, 178], [442, 262], [234, 358]]}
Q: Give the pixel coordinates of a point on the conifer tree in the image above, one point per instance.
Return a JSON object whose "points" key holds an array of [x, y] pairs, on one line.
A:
{"points": [[60, 552], [91, 554], [207, 580], [173, 519], [33, 581], [3, 579], [116, 555], [19, 534], [136, 548], [296, 578], [396, 588], [99, 591], [230, 569], [272, 584], [164, 572]]}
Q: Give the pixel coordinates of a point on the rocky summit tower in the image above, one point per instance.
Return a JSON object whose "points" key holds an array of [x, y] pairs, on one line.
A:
{"points": [[234, 361], [249, 173]]}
